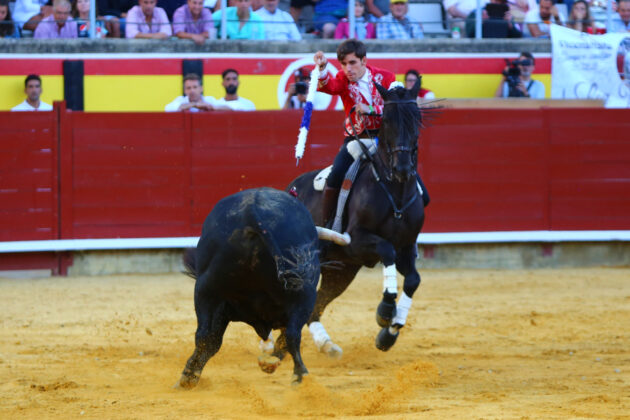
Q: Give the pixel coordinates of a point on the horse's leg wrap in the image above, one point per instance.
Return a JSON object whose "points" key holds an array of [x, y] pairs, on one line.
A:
{"points": [[390, 284], [386, 310], [402, 309], [266, 346], [320, 336]]}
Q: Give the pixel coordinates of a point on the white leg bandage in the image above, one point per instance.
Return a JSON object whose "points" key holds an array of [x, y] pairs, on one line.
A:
{"points": [[390, 284], [320, 336], [266, 346], [402, 309]]}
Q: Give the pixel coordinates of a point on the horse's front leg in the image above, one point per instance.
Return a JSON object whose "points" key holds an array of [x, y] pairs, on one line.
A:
{"points": [[406, 265], [373, 247]]}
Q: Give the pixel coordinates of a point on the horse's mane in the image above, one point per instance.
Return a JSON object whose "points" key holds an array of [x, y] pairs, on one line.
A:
{"points": [[407, 113]]}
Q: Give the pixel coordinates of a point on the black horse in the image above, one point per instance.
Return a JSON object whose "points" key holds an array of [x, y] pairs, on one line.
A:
{"points": [[384, 214]]}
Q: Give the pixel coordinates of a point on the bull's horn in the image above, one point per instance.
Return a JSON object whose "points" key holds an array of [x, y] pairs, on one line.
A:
{"points": [[331, 235]]}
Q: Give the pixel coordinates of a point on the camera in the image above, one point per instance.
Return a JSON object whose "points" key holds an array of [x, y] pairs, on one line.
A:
{"points": [[513, 76], [301, 88]]}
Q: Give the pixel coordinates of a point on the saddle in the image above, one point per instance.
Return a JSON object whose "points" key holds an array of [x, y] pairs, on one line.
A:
{"points": [[355, 151]]}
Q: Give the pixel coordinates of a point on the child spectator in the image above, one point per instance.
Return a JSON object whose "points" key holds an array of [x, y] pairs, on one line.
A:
{"points": [[81, 14], [362, 29], [8, 29]]}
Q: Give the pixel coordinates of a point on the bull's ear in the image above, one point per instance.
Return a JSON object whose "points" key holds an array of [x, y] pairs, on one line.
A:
{"points": [[381, 90], [416, 88]]}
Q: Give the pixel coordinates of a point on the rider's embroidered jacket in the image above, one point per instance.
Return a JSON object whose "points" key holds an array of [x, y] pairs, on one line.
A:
{"points": [[351, 93]]}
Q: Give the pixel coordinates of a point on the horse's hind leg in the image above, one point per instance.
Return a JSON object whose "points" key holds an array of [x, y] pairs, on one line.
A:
{"points": [[406, 265], [333, 284], [212, 321]]}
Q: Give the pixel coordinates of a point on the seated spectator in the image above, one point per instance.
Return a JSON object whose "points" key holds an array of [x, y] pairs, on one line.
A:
{"points": [[519, 8], [147, 21], [8, 29], [517, 80], [170, 6], [231, 99], [362, 28], [33, 90], [81, 14], [327, 14], [193, 99], [115, 8], [377, 8], [242, 22], [457, 12], [410, 79], [116, 11], [397, 25], [28, 13], [193, 21], [296, 6], [538, 21], [580, 17], [279, 25], [58, 25], [497, 21], [621, 22]]}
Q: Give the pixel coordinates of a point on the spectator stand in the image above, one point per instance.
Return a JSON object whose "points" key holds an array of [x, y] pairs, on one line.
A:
{"points": [[432, 16]]}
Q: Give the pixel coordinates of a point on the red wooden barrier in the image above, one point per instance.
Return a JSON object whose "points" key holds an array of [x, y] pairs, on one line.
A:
{"points": [[67, 175]]}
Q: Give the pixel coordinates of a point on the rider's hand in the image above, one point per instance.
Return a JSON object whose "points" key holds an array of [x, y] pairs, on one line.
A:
{"points": [[320, 60], [363, 109]]}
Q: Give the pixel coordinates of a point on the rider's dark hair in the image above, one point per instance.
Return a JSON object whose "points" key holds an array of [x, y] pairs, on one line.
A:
{"points": [[32, 77], [226, 71], [350, 46]]}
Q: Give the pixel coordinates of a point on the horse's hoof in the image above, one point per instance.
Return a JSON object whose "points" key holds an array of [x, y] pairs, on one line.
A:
{"points": [[332, 350], [385, 339], [268, 363], [187, 382], [385, 312], [297, 379]]}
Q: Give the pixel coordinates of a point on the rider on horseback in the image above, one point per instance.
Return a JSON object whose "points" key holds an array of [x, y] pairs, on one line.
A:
{"points": [[355, 85]]}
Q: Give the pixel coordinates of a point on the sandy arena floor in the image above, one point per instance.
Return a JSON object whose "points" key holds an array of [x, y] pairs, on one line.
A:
{"points": [[544, 344]]}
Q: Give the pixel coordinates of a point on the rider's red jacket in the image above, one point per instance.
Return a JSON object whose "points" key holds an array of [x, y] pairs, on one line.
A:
{"points": [[350, 95]]}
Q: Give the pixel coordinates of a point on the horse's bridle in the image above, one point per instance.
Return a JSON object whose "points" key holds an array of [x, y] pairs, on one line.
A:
{"points": [[390, 153]]}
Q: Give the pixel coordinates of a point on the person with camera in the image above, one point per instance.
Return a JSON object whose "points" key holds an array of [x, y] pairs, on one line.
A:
{"points": [[296, 95], [517, 79]]}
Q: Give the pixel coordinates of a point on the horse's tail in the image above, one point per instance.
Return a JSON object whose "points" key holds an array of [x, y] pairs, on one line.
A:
{"points": [[190, 262]]}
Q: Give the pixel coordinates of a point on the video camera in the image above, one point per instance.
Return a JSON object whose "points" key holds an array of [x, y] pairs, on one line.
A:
{"points": [[301, 88], [513, 76]]}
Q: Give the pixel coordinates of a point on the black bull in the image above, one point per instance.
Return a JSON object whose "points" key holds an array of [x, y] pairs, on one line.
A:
{"points": [[256, 262]]}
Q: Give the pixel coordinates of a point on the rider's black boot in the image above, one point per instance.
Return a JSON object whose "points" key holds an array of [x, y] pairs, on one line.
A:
{"points": [[329, 203]]}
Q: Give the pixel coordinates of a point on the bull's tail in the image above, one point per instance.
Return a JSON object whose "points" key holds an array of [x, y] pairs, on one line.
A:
{"points": [[189, 258]]}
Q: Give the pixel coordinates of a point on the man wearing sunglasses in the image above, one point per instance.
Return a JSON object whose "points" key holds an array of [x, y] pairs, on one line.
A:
{"points": [[517, 80]]}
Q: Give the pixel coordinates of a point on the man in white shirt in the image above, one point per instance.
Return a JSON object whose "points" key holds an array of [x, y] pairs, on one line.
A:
{"points": [[278, 24], [33, 90], [538, 21], [193, 99], [231, 99], [458, 10]]}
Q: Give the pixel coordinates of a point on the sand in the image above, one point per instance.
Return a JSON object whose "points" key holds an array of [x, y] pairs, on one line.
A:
{"points": [[489, 344]]}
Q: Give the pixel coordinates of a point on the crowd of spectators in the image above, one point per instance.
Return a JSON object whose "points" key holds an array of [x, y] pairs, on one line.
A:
{"points": [[200, 20]]}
